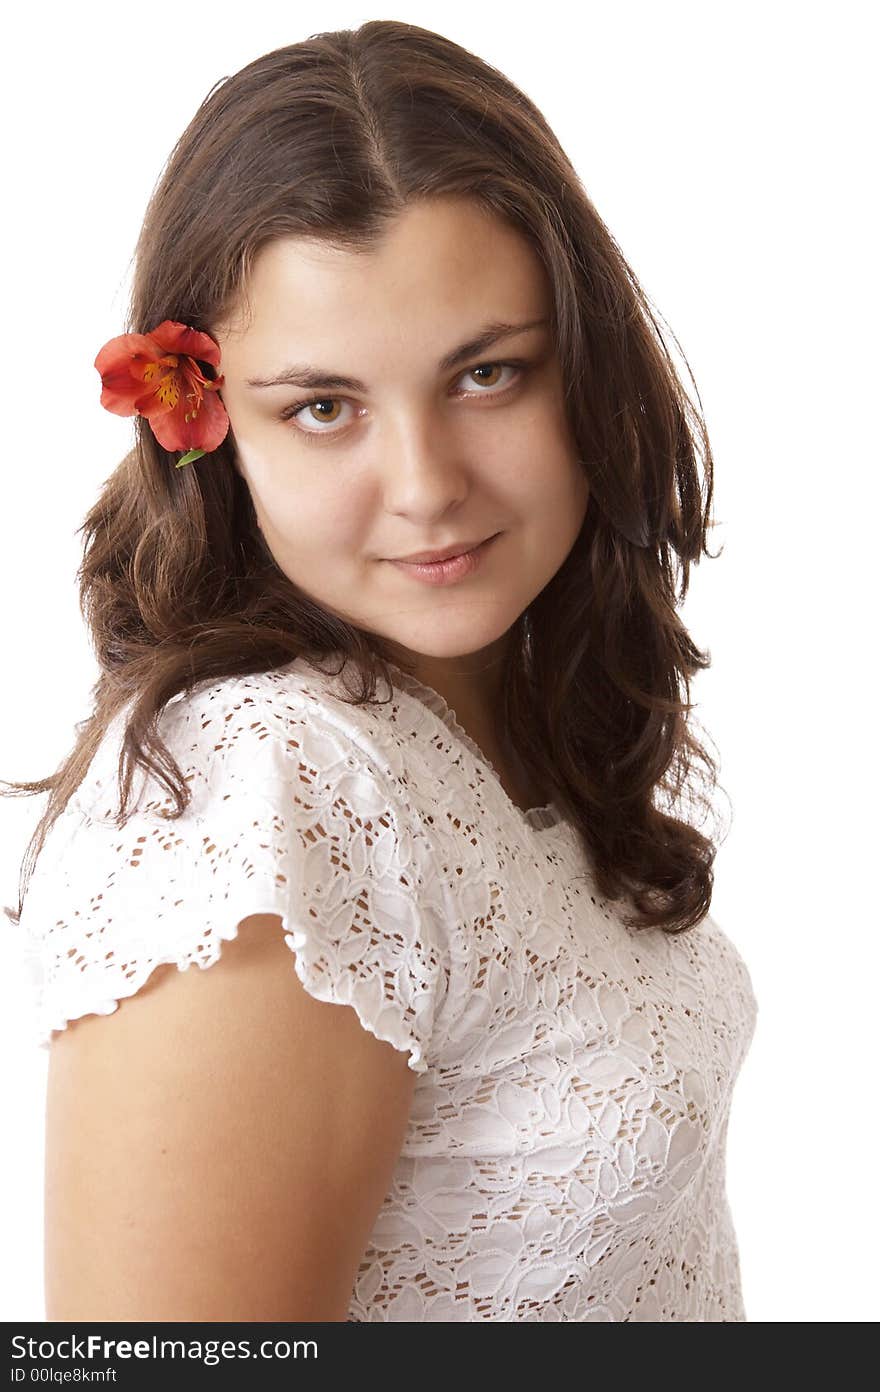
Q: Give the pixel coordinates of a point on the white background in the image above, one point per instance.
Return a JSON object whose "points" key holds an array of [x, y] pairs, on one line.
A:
{"points": [[730, 149]]}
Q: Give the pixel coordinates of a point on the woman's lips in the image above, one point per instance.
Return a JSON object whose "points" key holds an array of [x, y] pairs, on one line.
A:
{"points": [[449, 571]]}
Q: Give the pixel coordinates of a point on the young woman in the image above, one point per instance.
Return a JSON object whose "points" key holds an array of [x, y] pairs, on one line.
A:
{"points": [[376, 308]]}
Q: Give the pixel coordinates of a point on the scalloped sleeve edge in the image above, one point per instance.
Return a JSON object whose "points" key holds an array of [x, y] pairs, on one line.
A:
{"points": [[318, 985]]}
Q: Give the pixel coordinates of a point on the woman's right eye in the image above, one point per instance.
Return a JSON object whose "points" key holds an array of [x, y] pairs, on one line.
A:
{"points": [[290, 411]]}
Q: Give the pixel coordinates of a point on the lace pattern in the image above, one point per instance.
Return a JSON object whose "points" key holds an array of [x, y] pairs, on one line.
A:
{"points": [[565, 1153]]}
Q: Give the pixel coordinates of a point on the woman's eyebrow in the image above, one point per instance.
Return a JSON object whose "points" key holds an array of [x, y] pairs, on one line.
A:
{"points": [[308, 376]]}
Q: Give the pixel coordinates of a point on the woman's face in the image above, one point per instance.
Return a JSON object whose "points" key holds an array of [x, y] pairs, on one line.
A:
{"points": [[416, 455]]}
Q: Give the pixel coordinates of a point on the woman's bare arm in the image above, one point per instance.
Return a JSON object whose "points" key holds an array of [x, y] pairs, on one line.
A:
{"points": [[219, 1147]]}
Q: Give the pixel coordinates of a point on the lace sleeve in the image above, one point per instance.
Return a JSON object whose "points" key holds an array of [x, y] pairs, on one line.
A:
{"points": [[288, 815]]}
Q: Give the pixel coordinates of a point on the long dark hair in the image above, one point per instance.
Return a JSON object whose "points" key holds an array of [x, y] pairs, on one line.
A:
{"points": [[331, 138]]}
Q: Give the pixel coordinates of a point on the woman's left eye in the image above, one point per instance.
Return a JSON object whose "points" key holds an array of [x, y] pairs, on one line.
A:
{"points": [[488, 367], [516, 366]]}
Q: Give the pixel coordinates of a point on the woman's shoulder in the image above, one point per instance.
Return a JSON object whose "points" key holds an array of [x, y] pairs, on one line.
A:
{"points": [[289, 814], [288, 722], [295, 701]]}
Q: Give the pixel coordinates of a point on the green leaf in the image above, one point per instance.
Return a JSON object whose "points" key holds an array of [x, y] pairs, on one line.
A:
{"points": [[189, 457]]}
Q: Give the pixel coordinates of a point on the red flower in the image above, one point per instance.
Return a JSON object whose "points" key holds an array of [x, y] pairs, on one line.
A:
{"points": [[157, 375]]}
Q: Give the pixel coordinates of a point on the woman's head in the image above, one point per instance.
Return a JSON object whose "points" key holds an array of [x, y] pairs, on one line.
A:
{"points": [[415, 453], [364, 201]]}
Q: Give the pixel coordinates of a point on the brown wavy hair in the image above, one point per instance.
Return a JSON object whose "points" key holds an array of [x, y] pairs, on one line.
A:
{"points": [[331, 138]]}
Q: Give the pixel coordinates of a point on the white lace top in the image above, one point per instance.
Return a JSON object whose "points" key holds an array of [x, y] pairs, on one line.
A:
{"points": [[565, 1155]]}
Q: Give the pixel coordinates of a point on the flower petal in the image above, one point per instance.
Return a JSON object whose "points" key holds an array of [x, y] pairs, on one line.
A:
{"points": [[179, 338], [205, 431], [122, 363], [127, 346]]}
